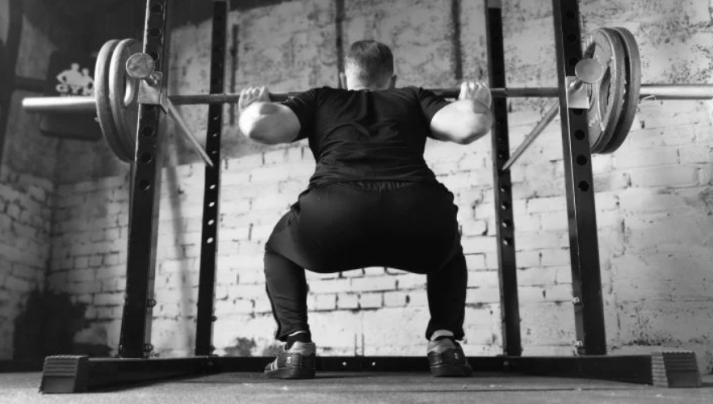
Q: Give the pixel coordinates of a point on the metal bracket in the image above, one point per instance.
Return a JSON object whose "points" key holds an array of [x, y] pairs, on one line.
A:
{"points": [[579, 87], [153, 91], [577, 93], [150, 90]]}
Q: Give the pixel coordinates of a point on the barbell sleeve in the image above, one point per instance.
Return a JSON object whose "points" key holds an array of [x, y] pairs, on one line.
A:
{"points": [[677, 91], [44, 105]]}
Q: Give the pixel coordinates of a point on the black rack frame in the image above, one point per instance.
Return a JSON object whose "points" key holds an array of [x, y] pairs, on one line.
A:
{"points": [[579, 182], [211, 200], [135, 338], [502, 188], [80, 373]]}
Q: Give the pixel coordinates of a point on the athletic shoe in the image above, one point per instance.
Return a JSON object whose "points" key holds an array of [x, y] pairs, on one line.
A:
{"points": [[298, 362], [446, 358]]}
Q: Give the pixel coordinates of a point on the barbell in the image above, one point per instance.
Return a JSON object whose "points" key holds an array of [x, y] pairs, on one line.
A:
{"points": [[612, 100]]}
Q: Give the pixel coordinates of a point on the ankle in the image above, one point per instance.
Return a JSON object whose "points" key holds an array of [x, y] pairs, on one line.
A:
{"points": [[440, 334], [299, 336]]}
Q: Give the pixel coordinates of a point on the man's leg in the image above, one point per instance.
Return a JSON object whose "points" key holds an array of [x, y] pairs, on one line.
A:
{"points": [[287, 289], [419, 229], [446, 291], [315, 234], [308, 236], [428, 235], [446, 300]]}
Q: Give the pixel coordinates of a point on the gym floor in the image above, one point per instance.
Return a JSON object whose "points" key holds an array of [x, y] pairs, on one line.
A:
{"points": [[364, 387]]}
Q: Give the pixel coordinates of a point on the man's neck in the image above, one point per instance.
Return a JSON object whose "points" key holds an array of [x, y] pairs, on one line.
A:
{"points": [[367, 88]]}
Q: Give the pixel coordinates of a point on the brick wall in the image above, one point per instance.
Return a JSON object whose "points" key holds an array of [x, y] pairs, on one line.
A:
{"points": [[654, 195], [89, 248]]}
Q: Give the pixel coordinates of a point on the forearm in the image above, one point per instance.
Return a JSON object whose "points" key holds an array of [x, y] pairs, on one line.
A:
{"points": [[462, 121], [259, 120], [482, 119]]}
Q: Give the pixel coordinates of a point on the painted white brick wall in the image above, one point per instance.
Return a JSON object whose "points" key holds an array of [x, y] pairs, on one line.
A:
{"points": [[654, 195]]}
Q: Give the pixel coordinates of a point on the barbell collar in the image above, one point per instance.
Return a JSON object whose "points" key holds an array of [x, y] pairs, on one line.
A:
{"points": [[589, 71], [140, 66]]}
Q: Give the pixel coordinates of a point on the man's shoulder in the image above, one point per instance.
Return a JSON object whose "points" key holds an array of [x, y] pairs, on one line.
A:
{"points": [[325, 91], [403, 93], [409, 88], [408, 91]]}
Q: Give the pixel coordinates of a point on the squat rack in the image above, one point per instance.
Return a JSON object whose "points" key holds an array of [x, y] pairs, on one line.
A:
{"points": [[70, 374]]}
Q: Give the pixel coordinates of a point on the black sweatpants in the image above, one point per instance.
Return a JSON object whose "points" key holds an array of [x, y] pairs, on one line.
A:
{"points": [[352, 225]]}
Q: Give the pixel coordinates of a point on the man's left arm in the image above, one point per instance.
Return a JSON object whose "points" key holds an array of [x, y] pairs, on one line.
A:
{"points": [[264, 121]]}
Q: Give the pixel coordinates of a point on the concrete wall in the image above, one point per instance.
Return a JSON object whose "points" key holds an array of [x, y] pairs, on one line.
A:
{"points": [[25, 218], [81, 160], [4, 19], [654, 195], [26, 184]]}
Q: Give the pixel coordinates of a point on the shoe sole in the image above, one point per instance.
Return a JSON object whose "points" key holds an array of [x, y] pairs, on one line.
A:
{"points": [[451, 371], [290, 373]]}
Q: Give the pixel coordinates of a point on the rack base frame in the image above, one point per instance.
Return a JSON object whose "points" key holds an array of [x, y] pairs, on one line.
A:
{"points": [[81, 374]]}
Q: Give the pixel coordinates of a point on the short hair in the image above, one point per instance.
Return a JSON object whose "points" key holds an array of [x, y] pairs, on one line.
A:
{"points": [[371, 61]]}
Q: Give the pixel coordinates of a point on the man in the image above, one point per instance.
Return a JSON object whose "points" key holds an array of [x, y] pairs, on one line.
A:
{"points": [[372, 200]]}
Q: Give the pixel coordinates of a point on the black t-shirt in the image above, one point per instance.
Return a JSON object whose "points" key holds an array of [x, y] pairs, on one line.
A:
{"points": [[367, 135]]}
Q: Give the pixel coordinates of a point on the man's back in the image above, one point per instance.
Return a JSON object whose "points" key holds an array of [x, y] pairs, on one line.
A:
{"points": [[367, 135], [395, 214]]}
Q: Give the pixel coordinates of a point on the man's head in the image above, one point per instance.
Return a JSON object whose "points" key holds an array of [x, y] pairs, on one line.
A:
{"points": [[369, 66]]}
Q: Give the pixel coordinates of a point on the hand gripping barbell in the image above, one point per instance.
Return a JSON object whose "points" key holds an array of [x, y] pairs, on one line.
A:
{"points": [[125, 78]]}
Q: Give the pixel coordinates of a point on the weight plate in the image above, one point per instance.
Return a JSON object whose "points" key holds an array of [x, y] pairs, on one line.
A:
{"points": [[125, 112], [608, 94], [633, 88], [105, 114]]}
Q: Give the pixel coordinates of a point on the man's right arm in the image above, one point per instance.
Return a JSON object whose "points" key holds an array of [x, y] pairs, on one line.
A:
{"points": [[467, 119]]}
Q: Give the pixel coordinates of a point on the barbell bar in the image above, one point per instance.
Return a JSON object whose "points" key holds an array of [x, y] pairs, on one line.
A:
{"points": [[610, 103], [88, 104], [649, 91]]}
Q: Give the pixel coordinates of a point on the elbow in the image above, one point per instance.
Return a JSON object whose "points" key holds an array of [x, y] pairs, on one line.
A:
{"points": [[470, 138], [257, 123], [257, 137], [248, 129], [476, 127], [255, 134], [476, 132]]}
